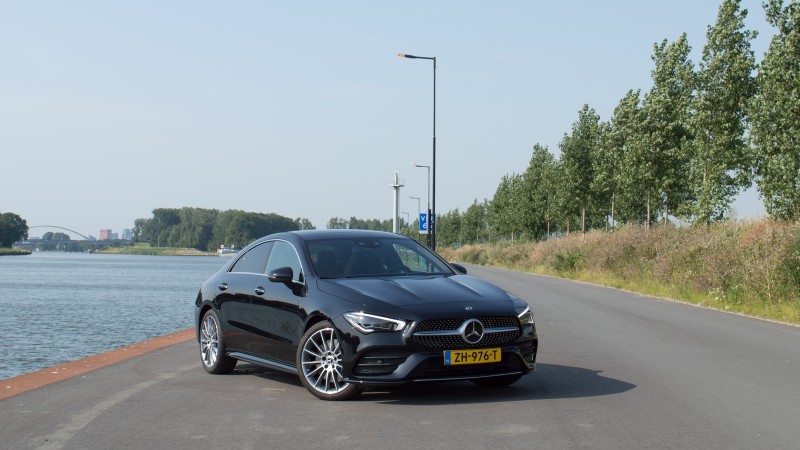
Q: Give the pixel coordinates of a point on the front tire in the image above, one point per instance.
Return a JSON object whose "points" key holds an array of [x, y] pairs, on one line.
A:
{"points": [[319, 361], [212, 347]]}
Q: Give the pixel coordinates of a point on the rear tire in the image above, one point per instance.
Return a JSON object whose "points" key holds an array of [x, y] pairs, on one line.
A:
{"points": [[496, 382], [319, 362], [212, 347]]}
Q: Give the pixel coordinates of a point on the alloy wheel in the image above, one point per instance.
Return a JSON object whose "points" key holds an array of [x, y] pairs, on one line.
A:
{"points": [[322, 362], [209, 341]]}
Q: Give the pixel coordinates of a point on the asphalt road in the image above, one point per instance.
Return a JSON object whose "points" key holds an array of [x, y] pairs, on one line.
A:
{"points": [[615, 370]]}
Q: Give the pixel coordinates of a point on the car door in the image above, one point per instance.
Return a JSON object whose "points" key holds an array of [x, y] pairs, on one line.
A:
{"points": [[277, 321], [234, 292]]}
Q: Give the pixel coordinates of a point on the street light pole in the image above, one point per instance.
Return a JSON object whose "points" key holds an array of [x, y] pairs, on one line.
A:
{"points": [[418, 207], [431, 213], [428, 211]]}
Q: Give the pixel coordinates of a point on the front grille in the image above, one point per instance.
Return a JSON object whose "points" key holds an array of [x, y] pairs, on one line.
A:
{"points": [[454, 341], [380, 362], [454, 323]]}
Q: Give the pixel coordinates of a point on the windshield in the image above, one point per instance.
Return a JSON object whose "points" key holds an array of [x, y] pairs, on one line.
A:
{"points": [[345, 258]]}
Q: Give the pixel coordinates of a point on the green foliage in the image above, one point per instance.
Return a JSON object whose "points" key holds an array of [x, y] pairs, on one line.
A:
{"points": [[665, 136], [537, 202], [506, 217], [618, 167], [50, 236], [474, 223], [337, 223], [721, 163], [304, 224], [447, 228], [775, 115], [206, 229], [13, 228], [577, 151]]}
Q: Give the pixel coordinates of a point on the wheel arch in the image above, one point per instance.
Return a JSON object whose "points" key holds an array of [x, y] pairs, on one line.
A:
{"points": [[315, 318], [203, 309]]}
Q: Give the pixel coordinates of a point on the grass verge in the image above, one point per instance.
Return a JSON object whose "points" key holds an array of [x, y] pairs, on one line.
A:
{"points": [[749, 268]]}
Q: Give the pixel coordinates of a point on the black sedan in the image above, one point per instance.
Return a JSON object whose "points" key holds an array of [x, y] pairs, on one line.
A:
{"points": [[348, 309]]}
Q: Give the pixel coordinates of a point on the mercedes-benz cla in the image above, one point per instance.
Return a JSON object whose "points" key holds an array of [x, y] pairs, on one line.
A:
{"points": [[347, 309]]}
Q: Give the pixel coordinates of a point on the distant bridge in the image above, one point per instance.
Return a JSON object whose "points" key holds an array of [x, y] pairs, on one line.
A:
{"points": [[61, 228]]}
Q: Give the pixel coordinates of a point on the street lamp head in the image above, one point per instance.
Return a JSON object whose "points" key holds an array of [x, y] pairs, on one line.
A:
{"points": [[403, 55]]}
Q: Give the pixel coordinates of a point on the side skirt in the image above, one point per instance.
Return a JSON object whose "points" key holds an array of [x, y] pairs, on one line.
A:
{"points": [[283, 367]]}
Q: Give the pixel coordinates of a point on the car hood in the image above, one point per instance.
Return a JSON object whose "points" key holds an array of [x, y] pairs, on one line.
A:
{"points": [[448, 294]]}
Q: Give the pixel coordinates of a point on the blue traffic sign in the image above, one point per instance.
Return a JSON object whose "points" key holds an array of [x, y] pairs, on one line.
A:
{"points": [[423, 223]]}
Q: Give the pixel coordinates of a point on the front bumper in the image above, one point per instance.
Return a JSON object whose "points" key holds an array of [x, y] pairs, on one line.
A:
{"points": [[383, 358]]}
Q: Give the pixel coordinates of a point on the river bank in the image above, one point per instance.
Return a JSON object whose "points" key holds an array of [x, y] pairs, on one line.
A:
{"points": [[5, 251], [147, 250]]}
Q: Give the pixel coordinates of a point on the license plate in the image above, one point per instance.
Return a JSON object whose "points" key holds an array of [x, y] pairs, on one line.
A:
{"points": [[472, 356]]}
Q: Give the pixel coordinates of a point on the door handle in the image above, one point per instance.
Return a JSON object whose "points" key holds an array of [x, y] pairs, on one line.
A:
{"points": [[260, 290], [223, 286]]}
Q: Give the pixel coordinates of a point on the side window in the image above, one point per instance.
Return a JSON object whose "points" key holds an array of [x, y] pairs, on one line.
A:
{"points": [[255, 260], [284, 255]]}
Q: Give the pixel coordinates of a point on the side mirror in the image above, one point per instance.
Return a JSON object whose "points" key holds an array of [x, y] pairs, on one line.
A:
{"points": [[281, 275], [459, 268]]}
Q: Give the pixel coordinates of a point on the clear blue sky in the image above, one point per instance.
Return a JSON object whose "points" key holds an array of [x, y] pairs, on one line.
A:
{"points": [[111, 109]]}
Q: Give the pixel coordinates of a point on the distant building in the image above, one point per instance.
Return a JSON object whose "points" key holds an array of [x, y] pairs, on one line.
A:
{"points": [[105, 234], [127, 234]]}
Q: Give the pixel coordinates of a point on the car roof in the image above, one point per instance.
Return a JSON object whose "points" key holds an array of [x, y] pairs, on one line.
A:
{"points": [[333, 234]]}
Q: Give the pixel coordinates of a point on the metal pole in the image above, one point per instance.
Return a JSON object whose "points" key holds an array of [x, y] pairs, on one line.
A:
{"points": [[432, 216]]}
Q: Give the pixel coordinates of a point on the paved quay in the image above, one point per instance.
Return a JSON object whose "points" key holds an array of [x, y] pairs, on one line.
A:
{"points": [[615, 371], [153, 395]]}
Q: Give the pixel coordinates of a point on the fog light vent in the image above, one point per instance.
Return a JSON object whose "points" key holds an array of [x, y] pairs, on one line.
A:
{"points": [[380, 362]]}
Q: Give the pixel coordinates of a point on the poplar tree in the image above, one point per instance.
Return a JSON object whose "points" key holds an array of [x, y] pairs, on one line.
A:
{"points": [[721, 164], [577, 150], [473, 222], [775, 115], [666, 124], [538, 192], [615, 171], [505, 214]]}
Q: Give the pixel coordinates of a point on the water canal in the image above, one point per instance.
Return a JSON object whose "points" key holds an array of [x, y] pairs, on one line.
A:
{"points": [[59, 307]]}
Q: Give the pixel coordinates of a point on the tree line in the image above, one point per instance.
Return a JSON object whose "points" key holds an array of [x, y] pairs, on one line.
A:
{"points": [[207, 229], [684, 149]]}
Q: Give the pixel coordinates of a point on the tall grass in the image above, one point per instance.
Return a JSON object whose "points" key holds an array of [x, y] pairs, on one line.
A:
{"points": [[750, 267]]}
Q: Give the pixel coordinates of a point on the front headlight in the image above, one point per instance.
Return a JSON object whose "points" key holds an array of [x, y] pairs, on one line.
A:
{"points": [[367, 323], [526, 316]]}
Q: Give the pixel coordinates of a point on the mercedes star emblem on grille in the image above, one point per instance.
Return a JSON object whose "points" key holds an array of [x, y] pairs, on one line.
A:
{"points": [[472, 331]]}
